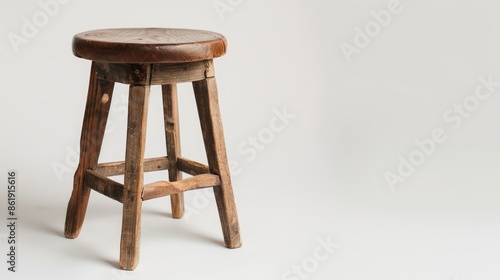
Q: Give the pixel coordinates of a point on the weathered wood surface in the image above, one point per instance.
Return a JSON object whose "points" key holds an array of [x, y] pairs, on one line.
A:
{"points": [[144, 57], [134, 176], [148, 45], [118, 167], [191, 167], [154, 164], [103, 185], [171, 120], [213, 136], [161, 74], [164, 74], [124, 73], [164, 188], [94, 124]]}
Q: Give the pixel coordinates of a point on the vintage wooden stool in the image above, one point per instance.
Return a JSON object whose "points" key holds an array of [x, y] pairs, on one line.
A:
{"points": [[143, 57]]}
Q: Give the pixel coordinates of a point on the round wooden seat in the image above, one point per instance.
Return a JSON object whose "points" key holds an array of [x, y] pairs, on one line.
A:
{"points": [[141, 58], [148, 45]]}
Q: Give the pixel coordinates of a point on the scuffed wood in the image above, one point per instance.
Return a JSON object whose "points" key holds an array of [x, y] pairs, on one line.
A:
{"points": [[118, 167], [213, 136], [165, 74], [134, 176], [148, 45], [130, 74], [141, 58], [164, 188], [191, 167], [173, 142], [94, 123], [103, 185], [162, 73]]}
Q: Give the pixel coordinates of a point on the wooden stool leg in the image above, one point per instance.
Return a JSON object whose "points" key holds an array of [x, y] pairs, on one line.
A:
{"points": [[172, 136], [134, 176], [213, 136], [94, 124]]}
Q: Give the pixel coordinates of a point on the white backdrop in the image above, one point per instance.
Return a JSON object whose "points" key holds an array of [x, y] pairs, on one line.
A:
{"points": [[363, 135]]}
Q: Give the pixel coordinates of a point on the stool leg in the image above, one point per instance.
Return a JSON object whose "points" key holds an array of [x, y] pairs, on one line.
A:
{"points": [[213, 136], [172, 136], [94, 124], [134, 176]]}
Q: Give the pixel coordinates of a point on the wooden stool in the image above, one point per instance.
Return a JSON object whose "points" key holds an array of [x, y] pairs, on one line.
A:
{"points": [[141, 58]]}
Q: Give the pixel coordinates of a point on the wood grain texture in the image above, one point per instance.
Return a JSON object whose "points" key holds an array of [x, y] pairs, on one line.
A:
{"points": [[172, 137], [164, 188], [213, 136], [118, 167], [148, 45], [134, 176], [191, 167], [164, 73], [94, 124], [125, 73], [103, 185], [142, 57]]}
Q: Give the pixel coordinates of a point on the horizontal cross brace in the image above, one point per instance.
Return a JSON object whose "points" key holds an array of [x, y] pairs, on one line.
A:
{"points": [[154, 164], [103, 185], [164, 188]]}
